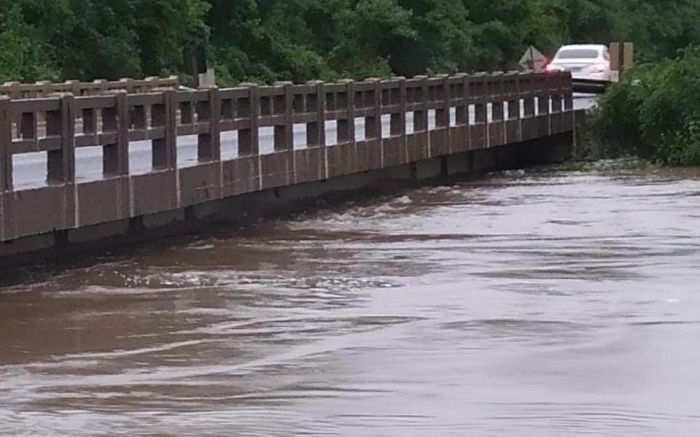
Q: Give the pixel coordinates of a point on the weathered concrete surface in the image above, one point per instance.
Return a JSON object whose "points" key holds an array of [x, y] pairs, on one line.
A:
{"points": [[30, 169], [18, 90], [159, 164]]}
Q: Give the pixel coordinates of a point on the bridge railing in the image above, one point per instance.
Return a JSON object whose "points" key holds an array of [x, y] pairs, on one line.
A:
{"points": [[350, 127], [17, 90]]}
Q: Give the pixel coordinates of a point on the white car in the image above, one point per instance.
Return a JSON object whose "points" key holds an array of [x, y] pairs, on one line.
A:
{"points": [[590, 62]]}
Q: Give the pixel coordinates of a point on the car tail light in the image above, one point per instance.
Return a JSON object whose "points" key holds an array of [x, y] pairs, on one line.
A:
{"points": [[600, 68]]}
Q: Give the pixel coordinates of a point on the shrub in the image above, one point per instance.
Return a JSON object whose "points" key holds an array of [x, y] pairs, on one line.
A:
{"points": [[653, 113]]}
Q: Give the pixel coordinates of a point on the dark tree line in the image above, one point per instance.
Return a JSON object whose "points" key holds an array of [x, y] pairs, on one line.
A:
{"points": [[267, 40]]}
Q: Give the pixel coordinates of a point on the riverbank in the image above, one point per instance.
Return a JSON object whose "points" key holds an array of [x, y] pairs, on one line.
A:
{"points": [[652, 114]]}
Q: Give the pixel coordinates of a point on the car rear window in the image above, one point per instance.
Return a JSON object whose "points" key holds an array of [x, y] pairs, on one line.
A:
{"points": [[578, 54]]}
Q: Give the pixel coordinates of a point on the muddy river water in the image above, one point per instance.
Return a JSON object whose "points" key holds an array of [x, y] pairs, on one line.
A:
{"points": [[538, 303]]}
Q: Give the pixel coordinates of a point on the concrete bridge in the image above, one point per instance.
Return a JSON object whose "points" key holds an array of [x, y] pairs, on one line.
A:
{"points": [[79, 171], [17, 90]]}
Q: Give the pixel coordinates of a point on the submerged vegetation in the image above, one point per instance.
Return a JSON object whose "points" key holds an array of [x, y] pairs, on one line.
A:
{"points": [[267, 40], [653, 113]]}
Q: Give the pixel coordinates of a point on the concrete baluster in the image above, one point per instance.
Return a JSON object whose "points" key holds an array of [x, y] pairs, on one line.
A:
{"points": [[249, 107], [514, 131], [420, 114], [555, 91], [543, 95], [14, 91], [43, 88], [209, 143], [5, 167], [568, 93], [61, 162], [398, 119], [100, 86], [345, 101], [73, 86], [127, 84], [526, 88], [495, 90], [315, 130], [442, 113], [478, 91], [115, 156], [373, 123], [164, 150], [462, 109], [284, 105], [5, 145], [150, 83], [513, 92]]}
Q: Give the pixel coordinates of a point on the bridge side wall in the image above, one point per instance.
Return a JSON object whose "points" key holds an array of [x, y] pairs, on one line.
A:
{"points": [[17, 90], [460, 124]]}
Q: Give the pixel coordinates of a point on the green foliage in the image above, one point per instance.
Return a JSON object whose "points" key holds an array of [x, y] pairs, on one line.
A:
{"points": [[87, 39], [654, 113], [299, 40], [22, 54]]}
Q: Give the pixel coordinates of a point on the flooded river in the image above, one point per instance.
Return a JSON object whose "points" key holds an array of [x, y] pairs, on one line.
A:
{"points": [[540, 303]]}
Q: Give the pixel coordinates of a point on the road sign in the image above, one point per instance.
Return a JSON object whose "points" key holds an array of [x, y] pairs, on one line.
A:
{"points": [[533, 60]]}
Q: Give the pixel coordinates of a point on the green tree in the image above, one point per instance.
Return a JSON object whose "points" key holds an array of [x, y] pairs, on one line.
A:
{"points": [[23, 55], [269, 40]]}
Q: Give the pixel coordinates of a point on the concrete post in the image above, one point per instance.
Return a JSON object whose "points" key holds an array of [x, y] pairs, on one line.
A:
{"points": [[43, 88], [61, 162], [127, 84], [284, 133], [442, 113], [627, 56], [513, 90], [5, 145], [209, 144], [315, 130], [543, 96], [346, 126], [248, 139], [373, 124], [5, 169], [115, 157], [496, 96], [74, 86], [555, 91], [462, 110], [420, 114], [14, 89], [478, 90], [568, 99], [398, 120], [615, 56], [164, 150], [526, 87], [101, 85]]}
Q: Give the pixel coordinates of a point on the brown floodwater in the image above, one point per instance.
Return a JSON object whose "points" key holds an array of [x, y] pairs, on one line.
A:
{"points": [[539, 303]]}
